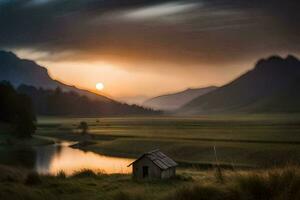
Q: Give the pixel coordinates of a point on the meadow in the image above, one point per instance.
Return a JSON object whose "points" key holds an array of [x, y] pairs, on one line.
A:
{"points": [[258, 157], [272, 184], [240, 140]]}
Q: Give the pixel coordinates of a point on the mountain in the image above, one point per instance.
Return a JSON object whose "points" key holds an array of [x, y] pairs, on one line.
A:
{"points": [[271, 87], [21, 71], [137, 100], [29, 75], [59, 103], [176, 100]]}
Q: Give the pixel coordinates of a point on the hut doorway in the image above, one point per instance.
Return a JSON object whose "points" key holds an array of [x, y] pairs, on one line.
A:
{"points": [[145, 171]]}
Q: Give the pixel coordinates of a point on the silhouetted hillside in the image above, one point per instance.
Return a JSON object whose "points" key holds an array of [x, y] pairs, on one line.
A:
{"points": [[21, 71], [59, 103], [69, 101], [176, 100], [272, 86]]}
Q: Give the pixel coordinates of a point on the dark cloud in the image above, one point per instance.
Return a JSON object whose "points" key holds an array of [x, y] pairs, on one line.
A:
{"points": [[207, 32]]}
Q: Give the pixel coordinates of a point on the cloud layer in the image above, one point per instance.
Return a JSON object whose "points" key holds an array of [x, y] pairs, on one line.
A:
{"points": [[212, 31], [153, 35]]}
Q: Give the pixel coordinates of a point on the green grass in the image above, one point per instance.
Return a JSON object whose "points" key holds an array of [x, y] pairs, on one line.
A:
{"points": [[82, 185], [241, 140], [249, 128], [272, 184], [249, 140]]}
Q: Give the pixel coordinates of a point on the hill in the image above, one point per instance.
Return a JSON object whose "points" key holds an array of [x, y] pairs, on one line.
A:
{"points": [[59, 103], [176, 100], [27, 73], [22, 71], [270, 87]]}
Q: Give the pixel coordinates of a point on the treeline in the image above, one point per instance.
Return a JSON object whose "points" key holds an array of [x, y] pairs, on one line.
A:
{"points": [[60, 103], [16, 109]]}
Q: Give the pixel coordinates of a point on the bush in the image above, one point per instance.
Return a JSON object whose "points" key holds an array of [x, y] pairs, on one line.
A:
{"points": [[84, 127], [61, 174], [85, 173], [33, 178]]}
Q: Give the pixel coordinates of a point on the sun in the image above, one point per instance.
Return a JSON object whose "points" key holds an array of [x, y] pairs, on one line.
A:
{"points": [[100, 86]]}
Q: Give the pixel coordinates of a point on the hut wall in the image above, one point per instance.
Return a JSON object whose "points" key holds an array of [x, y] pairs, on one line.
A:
{"points": [[154, 172], [169, 173]]}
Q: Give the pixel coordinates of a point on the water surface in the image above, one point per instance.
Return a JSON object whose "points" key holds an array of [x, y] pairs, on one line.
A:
{"points": [[51, 159]]}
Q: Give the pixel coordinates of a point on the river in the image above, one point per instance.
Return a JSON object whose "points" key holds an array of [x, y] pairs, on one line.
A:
{"points": [[51, 159]]}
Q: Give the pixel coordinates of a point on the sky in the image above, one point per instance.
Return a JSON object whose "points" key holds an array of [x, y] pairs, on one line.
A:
{"points": [[144, 48]]}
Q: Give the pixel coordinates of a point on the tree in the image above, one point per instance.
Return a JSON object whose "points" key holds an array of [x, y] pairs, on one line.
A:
{"points": [[25, 121], [7, 102], [84, 127], [17, 110]]}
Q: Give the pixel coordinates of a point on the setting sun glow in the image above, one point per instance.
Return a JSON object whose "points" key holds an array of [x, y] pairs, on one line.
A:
{"points": [[100, 86]]}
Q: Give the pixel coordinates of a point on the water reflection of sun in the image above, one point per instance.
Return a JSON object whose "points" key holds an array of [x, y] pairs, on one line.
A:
{"points": [[72, 160]]}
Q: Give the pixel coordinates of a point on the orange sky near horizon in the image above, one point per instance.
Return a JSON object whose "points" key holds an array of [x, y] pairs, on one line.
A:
{"points": [[127, 80], [118, 82], [122, 82]]}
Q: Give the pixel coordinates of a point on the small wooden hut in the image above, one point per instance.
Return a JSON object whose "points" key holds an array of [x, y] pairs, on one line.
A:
{"points": [[153, 165]]}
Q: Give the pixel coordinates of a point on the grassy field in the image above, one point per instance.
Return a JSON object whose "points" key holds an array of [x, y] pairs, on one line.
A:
{"points": [[275, 184], [240, 140]]}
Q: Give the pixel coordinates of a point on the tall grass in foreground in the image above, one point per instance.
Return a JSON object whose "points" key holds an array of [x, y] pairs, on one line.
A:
{"points": [[272, 184], [276, 184]]}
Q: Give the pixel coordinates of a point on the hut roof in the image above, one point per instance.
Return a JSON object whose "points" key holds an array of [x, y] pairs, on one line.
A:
{"points": [[159, 159]]}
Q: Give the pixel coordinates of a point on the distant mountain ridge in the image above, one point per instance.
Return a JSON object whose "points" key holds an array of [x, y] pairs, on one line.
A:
{"points": [[37, 84], [176, 100], [58, 103], [272, 86], [22, 71]]}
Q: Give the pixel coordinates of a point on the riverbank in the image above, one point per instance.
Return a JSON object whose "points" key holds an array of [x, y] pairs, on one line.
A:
{"points": [[98, 143], [186, 153], [8, 140], [250, 141], [282, 183]]}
